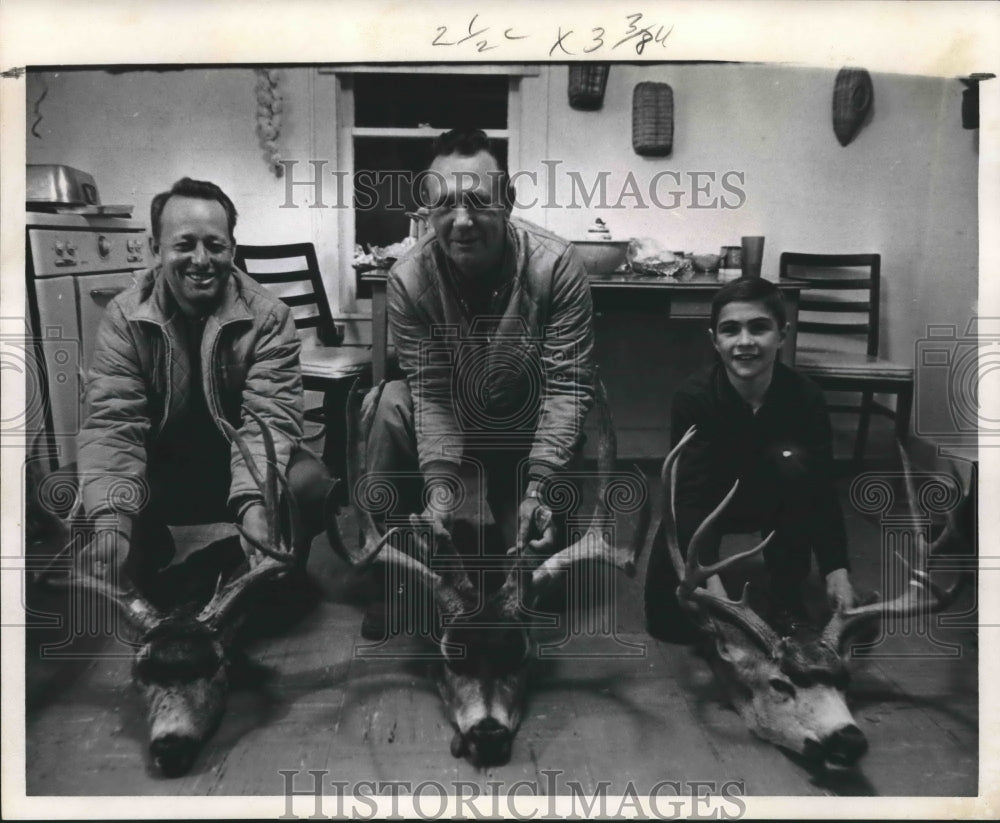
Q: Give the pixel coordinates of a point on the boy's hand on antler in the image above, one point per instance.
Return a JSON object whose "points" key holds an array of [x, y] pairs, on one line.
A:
{"points": [[839, 590], [254, 523]]}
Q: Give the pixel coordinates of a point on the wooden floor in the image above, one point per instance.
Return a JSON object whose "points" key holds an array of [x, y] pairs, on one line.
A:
{"points": [[593, 717]]}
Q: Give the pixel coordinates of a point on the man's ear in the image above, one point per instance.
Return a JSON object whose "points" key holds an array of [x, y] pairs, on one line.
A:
{"points": [[783, 334], [154, 248]]}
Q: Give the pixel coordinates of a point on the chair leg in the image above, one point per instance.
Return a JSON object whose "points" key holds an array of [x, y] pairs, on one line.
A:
{"points": [[335, 442], [865, 419], [904, 406]]}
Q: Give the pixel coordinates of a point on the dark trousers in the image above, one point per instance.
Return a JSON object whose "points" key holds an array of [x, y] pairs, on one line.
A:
{"points": [[200, 498], [784, 507], [392, 457]]}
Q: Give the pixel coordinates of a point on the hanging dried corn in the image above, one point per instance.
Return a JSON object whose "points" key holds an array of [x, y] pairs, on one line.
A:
{"points": [[269, 108]]}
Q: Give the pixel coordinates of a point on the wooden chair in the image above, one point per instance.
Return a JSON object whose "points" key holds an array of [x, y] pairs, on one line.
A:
{"points": [[838, 337], [329, 366]]}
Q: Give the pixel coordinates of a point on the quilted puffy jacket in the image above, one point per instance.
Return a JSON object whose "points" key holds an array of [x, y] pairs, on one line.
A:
{"points": [[528, 370], [139, 378]]}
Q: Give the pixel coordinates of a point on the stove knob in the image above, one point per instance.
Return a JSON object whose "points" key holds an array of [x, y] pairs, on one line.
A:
{"points": [[71, 249], [60, 247], [103, 246]]}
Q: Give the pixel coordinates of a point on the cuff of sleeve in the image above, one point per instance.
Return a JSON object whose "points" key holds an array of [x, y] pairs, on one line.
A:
{"points": [[240, 505], [441, 468], [539, 473], [114, 521]]}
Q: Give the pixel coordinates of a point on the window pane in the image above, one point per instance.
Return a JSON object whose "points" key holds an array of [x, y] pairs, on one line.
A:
{"points": [[445, 101]]}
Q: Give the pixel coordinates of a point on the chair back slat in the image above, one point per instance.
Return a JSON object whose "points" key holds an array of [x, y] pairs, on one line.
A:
{"points": [[848, 306], [291, 272], [824, 281], [307, 299], [832, 328], [840, 310], [268, 278]]}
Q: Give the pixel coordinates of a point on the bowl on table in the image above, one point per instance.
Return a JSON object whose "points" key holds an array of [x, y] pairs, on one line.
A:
{"points": [[601, 257], [707, 263]]}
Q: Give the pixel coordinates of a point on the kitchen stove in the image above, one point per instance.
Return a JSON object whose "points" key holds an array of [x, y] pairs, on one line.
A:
{"points": [[77, 260]]}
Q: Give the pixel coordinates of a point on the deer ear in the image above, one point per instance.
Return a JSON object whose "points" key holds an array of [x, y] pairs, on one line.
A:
{"points": [[732, 653]]}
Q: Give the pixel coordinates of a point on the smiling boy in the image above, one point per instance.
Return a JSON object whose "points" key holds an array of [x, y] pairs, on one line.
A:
{"points": [[763, 424]]}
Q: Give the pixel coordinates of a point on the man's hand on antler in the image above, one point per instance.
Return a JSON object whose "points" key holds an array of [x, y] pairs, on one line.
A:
{"points": [[104, 556], [442, 490], [254, 523], [535, 530], [839, 591]]}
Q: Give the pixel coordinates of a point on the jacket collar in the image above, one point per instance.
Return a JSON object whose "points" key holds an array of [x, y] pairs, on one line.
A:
{"points": [[156, 306], [727, 394]]}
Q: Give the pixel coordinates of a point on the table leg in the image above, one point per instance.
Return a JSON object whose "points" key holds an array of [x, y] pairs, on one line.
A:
{"points": [[904, 405], [380, 332]]}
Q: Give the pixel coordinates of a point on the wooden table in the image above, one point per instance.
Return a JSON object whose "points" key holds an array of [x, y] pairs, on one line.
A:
{"points": [[687, 299]]}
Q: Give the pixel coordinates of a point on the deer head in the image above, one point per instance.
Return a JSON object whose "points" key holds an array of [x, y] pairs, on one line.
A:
{"points": [[181, 658], [485, 640], [790, 692]]}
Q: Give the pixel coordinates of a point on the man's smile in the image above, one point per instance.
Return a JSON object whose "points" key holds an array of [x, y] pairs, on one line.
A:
{"points": [[202, 278]]}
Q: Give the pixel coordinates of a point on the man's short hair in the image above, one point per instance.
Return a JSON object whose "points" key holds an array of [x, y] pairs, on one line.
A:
{"points": [[750, 290], [198, 189], [468, 143]]}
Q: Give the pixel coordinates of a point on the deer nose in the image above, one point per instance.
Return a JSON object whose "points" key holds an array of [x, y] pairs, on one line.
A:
{"points": [[174, 754], [490, 743], [845, 746]]}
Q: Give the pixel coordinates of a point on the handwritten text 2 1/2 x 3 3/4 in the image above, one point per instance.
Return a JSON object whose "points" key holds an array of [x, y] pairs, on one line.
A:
{"points": [[568, 43]]}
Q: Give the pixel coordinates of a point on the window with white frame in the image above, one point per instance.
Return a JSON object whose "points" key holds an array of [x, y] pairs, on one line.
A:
{"points": [[388, 119]]}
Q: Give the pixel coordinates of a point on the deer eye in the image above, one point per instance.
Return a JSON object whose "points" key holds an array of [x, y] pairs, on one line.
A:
{"points": [[782, 687]]}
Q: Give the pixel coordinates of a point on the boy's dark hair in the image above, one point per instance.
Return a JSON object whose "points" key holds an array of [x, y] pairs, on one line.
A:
{"points": [[199, 189], [468, 143], [750, 290]]}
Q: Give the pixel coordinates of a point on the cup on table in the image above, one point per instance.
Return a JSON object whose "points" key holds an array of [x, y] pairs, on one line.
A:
{"points": [[752, 255]]}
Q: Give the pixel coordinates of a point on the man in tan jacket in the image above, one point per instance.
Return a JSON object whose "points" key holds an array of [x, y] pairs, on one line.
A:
{"points": [[193, 341]]}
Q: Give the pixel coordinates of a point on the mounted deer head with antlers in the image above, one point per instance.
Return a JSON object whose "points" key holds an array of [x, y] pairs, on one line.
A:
{"points": [[790, 692], [180, 666], [484, 637]]}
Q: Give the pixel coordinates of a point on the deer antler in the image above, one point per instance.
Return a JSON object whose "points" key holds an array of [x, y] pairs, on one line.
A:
{"points": [[692, 574], [138, 611], [593, 545], [279, 555], [922, 595], [375, 547]]}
